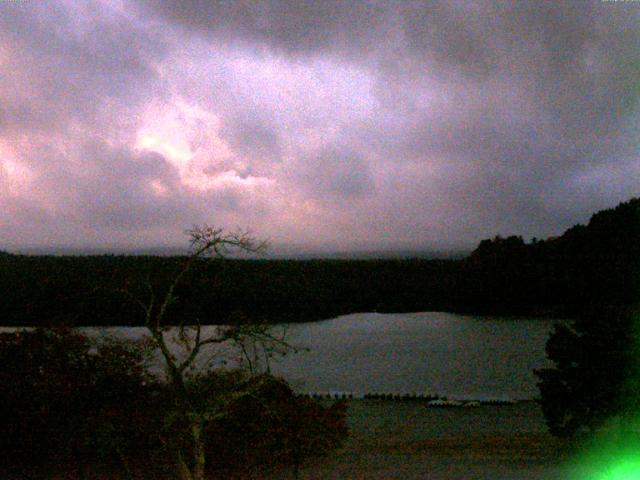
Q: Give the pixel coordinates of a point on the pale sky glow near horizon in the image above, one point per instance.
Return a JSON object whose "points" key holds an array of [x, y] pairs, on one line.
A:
{"points": [[322, 124]]}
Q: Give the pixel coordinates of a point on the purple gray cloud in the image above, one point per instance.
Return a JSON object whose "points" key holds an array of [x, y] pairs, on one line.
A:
{"points": [[335, 124]]}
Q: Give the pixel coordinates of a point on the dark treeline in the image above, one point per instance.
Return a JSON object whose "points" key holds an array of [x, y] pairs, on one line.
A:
{"points": [[589, 265], [76, 408]]}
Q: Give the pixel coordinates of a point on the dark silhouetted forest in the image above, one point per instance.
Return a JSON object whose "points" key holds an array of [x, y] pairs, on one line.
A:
{"points": [[589, 265]]}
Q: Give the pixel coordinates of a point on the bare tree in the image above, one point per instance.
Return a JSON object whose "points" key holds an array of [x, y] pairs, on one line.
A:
{"points": [[251, 340]]}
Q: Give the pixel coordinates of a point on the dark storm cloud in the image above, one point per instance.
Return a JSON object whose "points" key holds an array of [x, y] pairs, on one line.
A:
{"points": [[252, 136], [526, 92], [116, 188], [338, 172], [533, 96], [70, 62], [289, 26], [397, 123]]}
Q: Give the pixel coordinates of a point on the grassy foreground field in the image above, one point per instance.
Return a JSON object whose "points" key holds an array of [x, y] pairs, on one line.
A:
{"points": [[408, 440]]}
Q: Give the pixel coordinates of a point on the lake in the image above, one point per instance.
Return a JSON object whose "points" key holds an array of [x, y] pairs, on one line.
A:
{"points": [[457, 356]]}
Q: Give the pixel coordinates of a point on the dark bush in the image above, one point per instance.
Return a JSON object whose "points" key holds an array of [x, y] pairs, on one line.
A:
{"points": [[70, 404], [80, 408], [273, 428]]}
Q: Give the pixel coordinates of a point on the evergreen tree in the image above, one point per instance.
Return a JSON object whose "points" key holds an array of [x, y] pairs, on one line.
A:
{"points": [[595, 373]]}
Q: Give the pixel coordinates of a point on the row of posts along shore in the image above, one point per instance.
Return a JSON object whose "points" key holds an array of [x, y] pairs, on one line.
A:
{"points": [[428, 398]]}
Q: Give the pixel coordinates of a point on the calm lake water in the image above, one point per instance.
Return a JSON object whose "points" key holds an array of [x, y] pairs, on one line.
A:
{"points": [[451, 355], [457, 356]]}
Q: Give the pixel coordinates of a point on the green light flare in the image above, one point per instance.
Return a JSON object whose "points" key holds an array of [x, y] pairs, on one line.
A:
{"points": [[613, 453], [623, 469], [610, 456]]}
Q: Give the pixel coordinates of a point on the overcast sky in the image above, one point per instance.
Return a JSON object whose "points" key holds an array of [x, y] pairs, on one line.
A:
{"points": [[342, 125]]}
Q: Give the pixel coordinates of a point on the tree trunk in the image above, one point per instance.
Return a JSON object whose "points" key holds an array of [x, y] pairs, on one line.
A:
{"points": [[128, 474], [199, 454], [182, 469]]}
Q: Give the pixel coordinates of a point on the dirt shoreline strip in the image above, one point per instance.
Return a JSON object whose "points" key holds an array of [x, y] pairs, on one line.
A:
{"points": [[408, 440]]}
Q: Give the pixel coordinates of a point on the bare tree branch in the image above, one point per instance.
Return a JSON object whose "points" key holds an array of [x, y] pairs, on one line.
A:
{"points": [[206, 242]]}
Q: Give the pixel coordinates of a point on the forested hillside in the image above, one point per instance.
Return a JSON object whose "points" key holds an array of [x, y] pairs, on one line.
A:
{"points": [[596, 264]]}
